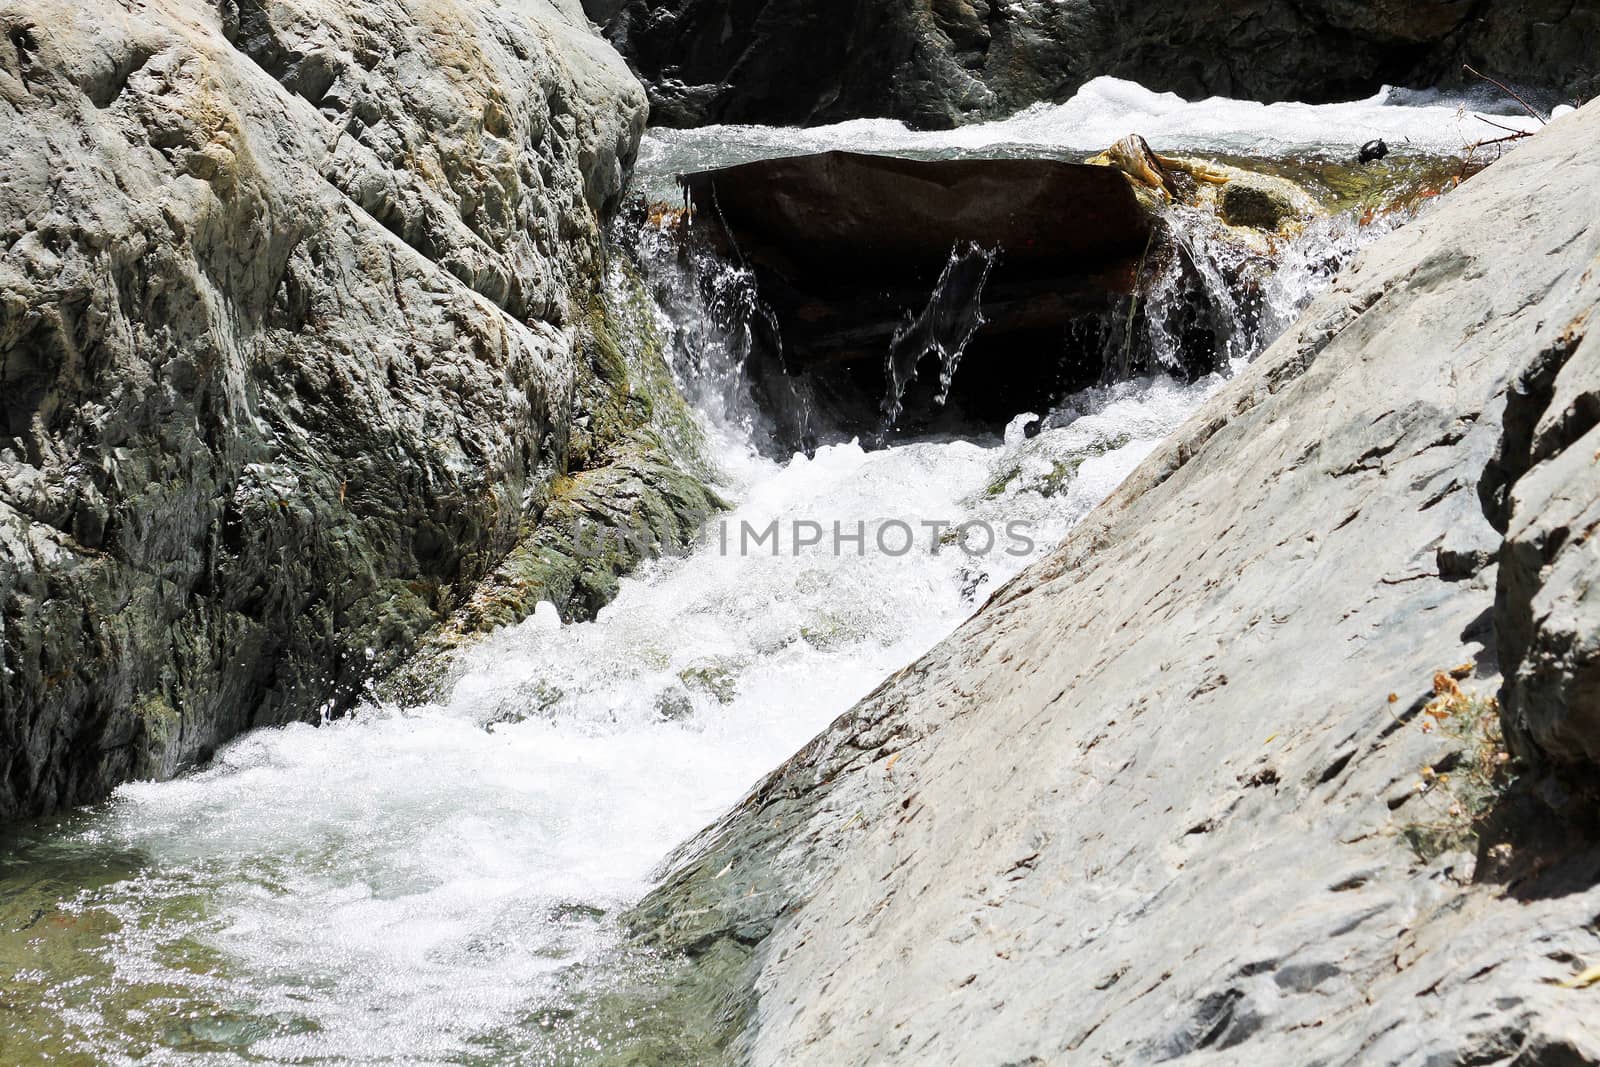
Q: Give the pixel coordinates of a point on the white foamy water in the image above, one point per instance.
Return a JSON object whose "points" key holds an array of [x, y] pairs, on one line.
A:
{"points": [[1106, 110], [402, 884], [410, 885]]}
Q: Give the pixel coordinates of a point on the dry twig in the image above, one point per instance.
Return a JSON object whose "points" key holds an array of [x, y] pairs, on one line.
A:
{"points": [[1507, 90]]}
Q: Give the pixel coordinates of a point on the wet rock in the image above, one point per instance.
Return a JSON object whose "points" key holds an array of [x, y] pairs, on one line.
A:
{"points": [[937, 63], [717, 678], [1154, 801], [1263, 203], [857, 256], [292, 314], [1236, 195], [846, 217]]}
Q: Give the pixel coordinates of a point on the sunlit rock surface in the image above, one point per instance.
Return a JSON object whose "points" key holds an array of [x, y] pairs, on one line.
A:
{"points": [[291, 306], [1200, 785]]}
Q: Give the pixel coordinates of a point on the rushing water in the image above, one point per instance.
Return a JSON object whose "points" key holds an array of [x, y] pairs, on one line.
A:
{"points": [[411, 885], [1106, 110]]}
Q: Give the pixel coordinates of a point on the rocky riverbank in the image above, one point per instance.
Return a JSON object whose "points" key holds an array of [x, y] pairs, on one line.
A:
{"points": [[1224, 776], [936, 63], [302, 332], [313, 356]]}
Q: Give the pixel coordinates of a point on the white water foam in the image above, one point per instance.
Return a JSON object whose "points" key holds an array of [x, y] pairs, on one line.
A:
{"points": [[1102, 112], [399, 883]]}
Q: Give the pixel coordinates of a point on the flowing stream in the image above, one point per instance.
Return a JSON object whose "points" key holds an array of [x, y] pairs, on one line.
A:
{"points": [[412, 885]]}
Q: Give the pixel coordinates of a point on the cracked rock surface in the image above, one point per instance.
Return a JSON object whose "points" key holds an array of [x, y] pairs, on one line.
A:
{"points": [[1547, 488], [1157, 800], [291, 299]]}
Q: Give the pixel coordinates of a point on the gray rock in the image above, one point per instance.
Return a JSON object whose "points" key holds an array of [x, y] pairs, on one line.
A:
{"points": [[291, 303], [1547, 613], [1178, 791], [940, 62]]}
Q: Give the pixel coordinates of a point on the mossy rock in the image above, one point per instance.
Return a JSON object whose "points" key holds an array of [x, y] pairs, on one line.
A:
{"points": [[1257, 205], [717, 678], [635, 488]]}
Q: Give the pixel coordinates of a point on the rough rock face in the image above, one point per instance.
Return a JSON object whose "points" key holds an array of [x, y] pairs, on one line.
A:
{"points": [[1179, 792], [647, 492], [290, 305], [1546, 492], [938, 62]]}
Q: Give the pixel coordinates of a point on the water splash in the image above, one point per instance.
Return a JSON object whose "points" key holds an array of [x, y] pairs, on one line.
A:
{"points": [[943, 329], [719, 338], [1208, 301]]}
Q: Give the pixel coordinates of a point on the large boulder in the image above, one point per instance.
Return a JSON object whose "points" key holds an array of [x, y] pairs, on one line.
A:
{"points": [[1009, 266], [292, 299], [1205, 783], [902, 295], [940, 62]]}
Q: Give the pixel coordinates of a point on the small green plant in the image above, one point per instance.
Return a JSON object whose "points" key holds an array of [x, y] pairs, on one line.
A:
{"points": [[1461, 789], [717, 677]]}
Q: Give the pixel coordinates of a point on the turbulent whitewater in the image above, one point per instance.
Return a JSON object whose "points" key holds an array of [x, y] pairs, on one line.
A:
{"points": [[414, 884], [1105, 110]]}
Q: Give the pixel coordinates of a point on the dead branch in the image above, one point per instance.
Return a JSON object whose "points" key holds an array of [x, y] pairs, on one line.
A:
{"points": [[1507, 90], [1496, 142], [1509, 129], [1502, 140]]}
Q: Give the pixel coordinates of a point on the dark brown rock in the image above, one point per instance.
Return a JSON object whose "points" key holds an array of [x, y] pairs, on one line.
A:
{"points": [[840, 218], [851, 252], [1252, 205]]}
